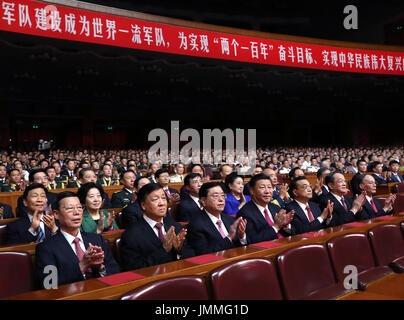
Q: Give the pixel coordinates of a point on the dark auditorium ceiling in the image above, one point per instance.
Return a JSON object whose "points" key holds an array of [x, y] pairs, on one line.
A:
{"points": [[57, 80]]}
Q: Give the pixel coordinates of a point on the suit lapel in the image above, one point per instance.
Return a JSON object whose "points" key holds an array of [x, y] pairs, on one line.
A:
{"points": [[66, 247], [299, 211], [259, 217], [211, 227], [149, 232]]}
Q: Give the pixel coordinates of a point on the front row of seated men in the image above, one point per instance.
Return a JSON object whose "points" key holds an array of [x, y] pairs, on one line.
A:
{"points": [[157, 238]]}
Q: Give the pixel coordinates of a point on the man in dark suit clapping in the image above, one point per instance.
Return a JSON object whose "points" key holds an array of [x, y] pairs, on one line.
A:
{"points": [[77, 255]]}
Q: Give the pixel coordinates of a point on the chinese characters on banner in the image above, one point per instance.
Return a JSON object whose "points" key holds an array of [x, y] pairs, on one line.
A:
{"points": [[36, 18]]}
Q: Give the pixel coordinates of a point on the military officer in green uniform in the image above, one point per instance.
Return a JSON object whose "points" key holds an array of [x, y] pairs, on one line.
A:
{"points": [[124, 197], [15, 182], [52, 183]]}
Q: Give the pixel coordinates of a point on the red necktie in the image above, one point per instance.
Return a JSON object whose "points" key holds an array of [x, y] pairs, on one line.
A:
{"points": [[270, 221], [343, 203], [159, 227], [80, 254], [311, 217], [373, 205], [167, 193]]}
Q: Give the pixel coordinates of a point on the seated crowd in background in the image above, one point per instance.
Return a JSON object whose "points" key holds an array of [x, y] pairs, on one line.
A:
{"points": [[221, 214]]}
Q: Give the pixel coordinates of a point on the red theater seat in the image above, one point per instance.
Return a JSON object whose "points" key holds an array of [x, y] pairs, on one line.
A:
{"points": [[306, 273], [178, 288], [354, 249], [16, 273], [399, 204], [388, 246], [249, 279], [117, 250]]}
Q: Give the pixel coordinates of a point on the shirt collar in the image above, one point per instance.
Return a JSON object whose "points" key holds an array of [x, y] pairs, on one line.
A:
{"points": [[69, 238], [196, 200], [368, 198], [128, 190], [212, 217], [302, 205], [260, 208], [151, 222], [336, 196]]}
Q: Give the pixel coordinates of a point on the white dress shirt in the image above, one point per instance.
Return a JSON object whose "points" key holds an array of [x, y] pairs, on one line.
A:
{"points": [[152, 225], [69, 238], [261, 209], [243, 241], [196, 201]]}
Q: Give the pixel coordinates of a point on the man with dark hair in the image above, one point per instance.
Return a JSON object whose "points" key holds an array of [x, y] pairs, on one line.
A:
{"points": [[395, 175], [69, 171], [156, 238], [377, 169], [36, 225], [257, 170], [212, 230], [362, 167], [190, 204], [124, 197], [308, 216], [3, 174], [36, 176], [345, 209], [163, 178], [52, 183], [76, 255], [321, 189], [372, 208], [265, 220], [132, 213], [106, 179], [295, 172], [280, 195], [15, 182], [58, 170]]}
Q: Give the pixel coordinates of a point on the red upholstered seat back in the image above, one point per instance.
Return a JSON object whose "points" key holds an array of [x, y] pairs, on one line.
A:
{"points": [[304, 270], [16, 273], [177, 288], [249, 279]]}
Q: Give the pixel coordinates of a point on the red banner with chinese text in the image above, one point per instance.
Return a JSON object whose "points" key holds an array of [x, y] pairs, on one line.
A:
{"points": [[40, 19]]}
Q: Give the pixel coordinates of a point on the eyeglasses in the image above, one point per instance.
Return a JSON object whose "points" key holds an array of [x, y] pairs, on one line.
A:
{"points": [[70, 209], [216, 196]]}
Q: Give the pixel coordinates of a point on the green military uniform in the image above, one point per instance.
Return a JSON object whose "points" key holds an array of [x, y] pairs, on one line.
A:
{"points": [[122, 198], [55, 185], [104, 182], [8, 188], [64, 179], [74, 184]]}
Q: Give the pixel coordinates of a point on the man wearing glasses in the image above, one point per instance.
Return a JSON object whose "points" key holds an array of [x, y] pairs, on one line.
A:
{"points": [[213, 231], [35, 226], [76, 255], [36, 176]]}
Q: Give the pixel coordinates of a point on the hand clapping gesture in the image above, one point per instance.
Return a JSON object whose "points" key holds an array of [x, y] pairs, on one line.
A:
{"points": [[388, 204], [93, 257], [358, 202], [110, 220], [327, 212], [238, 226]]}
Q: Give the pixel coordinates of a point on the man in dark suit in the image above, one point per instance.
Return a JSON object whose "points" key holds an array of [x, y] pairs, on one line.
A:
{"points": [[257, 170], [76, 255], [35, 225], [132, 213], [190, 205], [36, 176], [345, 209], [395, 175], [321, 189], [372, 207], [308, 216], [265, 220], [5, 211], [70, 164], [3, 174], [377, 169], [362, 168], [163, 178], [156, 238], [213, 231]]}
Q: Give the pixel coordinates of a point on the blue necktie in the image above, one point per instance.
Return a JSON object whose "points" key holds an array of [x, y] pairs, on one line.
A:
{"points": [[41, 235]]}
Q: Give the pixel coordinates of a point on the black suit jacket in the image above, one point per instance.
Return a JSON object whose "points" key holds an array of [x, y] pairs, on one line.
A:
{"points": [[320, 198], [21, 210], [172, 190], [355, 183], [7, 211], [17, 232], [258, 229], [140, 246], [367, 211], [58, 252], [340, 215], [246, 190], [378, 179], [204, 237], [131, 214], [65, 172], [187, 209], [394, 178], [300, 223]]}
